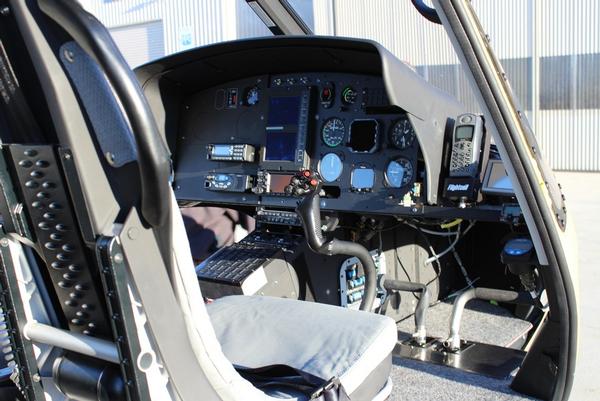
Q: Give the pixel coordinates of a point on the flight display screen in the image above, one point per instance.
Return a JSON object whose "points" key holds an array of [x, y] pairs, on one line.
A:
{"points": [[284, 110], [278, 182], [363, 135], [496, 180], [281, 145], [282, 128]]}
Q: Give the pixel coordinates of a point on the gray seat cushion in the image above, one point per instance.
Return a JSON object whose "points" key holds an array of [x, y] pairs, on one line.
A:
{"points": [[323, 340]]}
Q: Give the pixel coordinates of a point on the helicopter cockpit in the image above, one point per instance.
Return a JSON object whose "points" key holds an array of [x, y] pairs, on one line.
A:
{"points": [[401, 249], [372, 190]]}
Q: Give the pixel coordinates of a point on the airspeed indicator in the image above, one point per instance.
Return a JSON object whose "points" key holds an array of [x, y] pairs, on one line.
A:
{"points": [[333, 132]]}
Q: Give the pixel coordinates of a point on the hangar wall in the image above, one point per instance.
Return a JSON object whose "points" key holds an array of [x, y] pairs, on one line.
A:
{"points": [[550, 50]]}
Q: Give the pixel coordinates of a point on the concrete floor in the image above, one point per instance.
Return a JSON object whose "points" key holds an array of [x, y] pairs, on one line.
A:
{"points": [[582, 191]]}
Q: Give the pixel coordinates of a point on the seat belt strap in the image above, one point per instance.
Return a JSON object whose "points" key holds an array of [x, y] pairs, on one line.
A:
{"points": [[315, 388]]}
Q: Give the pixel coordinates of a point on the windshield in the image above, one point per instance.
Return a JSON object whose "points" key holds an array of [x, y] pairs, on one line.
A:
{"points": [[551, 59]]}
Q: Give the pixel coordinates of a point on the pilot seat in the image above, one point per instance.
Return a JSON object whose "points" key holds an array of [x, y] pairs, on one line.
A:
{"points": [[280, 348]]}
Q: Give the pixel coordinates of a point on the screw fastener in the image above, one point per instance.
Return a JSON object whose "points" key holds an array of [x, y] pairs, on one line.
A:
{"points": [[118, 258], [70, 56]]}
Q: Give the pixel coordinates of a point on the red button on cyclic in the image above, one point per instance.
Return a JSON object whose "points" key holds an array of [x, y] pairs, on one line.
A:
{"points": [[306, 173], [314, 182]]}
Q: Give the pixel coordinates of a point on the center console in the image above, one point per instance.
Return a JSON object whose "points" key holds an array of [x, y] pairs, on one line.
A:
{"points": [[261, 264]]}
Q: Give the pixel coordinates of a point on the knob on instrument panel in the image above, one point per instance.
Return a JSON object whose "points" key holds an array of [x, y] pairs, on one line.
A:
{"points": [[302, 183]]}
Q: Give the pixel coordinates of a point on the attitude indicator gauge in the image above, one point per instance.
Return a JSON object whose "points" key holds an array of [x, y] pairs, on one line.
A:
{"points": [[399, 173], [402, 134], [330, 167], [333, 132]]}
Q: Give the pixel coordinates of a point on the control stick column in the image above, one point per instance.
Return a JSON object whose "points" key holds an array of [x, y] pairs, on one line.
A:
{"points": [[309, 211]]}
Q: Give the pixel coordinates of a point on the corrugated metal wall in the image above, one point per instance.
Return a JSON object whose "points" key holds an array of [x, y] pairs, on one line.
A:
{"points": [[140, 42], [550, 50], [569, 119], [187, 23]]}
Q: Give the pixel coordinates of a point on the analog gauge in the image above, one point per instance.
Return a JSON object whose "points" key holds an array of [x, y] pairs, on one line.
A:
{"points": [[402, 134], [252, 96], [333, 132], [362, 179], [349, 95], [330, 167], [327, 95], [399, 173]]}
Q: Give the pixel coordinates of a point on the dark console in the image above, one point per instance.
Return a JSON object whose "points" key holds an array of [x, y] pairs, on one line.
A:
{"points": [[337, 128], [243, 120], [259, 264]]}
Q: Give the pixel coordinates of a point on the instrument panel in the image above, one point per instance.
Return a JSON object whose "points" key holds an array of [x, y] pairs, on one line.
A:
{"points": [[265, 140]]}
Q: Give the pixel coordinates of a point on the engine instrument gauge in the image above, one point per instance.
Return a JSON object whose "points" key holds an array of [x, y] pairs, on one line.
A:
{"points": [[327, 95], [399, 173], [402, 134], [333, 132], [252, 96], [330, 167], [349, 95]]}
